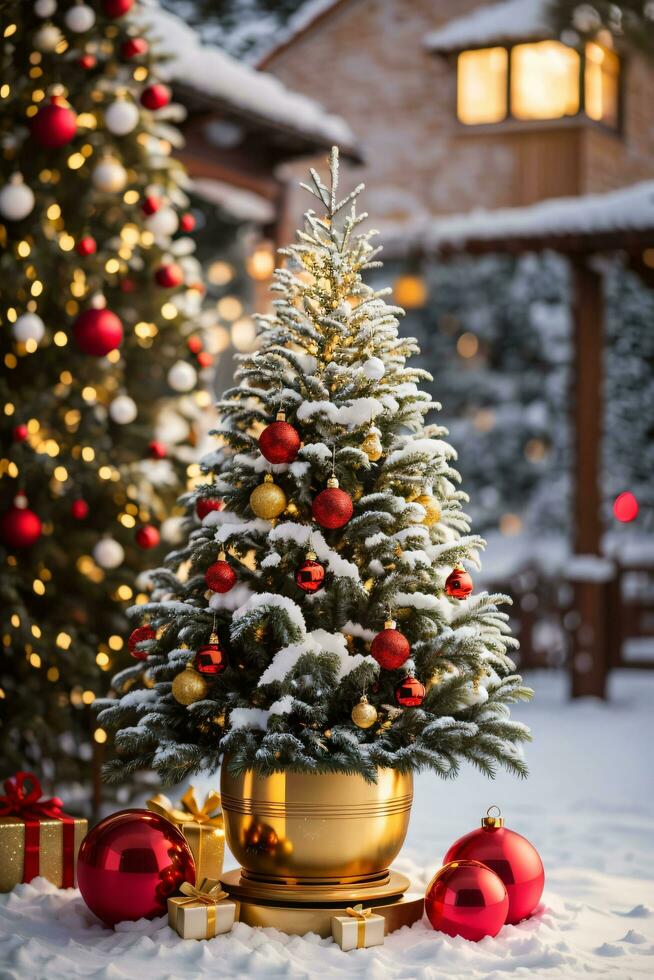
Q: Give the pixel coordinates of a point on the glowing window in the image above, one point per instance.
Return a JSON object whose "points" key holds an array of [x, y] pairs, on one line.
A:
{"points": [[601, 84], [481, 86], [544, 80]]}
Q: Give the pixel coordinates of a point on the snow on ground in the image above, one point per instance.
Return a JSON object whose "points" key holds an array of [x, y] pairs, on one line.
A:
{"points": [[588, 806]]}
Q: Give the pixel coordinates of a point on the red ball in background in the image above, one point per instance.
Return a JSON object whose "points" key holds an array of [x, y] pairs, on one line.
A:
{"points": [[465, 898], [151, 204], [133, 47], [205, 505], [280, 442], [169, 275], [20, 432], [332, 508], [390, 648], [210, 660], [187, 222], [87, 61], [20, 527], [139, 635], [86, 246], [625, 507], [130, 864], [458, 584], [116, 8], [156, 449], [147, 536], [155, 96], [220, 577], [127, 286], [310, 576], [512, 857], [98, 332], [410, 693], [79, 509], [195, 344], [54, 125], [205, 359]]}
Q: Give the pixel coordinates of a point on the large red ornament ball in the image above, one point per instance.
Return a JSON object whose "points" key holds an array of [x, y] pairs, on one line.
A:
{"points": [[512, 857], [279, 442], [139, 635], [332, 508], [390, 648], [116, 8], [210, 659], [465, 898], [410, 693], [130, 863], [147, 536], [205, 505], [155, 96], [458, 584], [169, 276], [187, 222], [133, 47], [79, 509], [220, 577], [86, 246], [97, 332], [20, 527], [54, 125], [310, 576]]}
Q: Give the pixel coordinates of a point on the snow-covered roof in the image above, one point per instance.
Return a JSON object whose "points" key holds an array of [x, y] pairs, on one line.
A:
{"points": [[236, 85], [510, 20], [297, 24], [242, 204]]}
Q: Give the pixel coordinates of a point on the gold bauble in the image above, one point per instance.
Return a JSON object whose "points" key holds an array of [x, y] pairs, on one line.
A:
{"points": [[268, 500], [372, 446], [189, 686], [364, 715], [432, 510]]}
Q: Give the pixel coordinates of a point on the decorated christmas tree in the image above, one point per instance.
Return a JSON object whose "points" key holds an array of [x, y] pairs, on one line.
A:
{"points": [[321, 617], [100, 361]]}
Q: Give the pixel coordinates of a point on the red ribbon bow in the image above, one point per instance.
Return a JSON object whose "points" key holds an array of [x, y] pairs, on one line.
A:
{"points": [[19, 800]]}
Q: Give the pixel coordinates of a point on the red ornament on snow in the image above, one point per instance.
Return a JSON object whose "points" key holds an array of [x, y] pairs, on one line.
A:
{"points": [[205, 505], [332, 508], [116, 8], [20, 432], [130, 864], [211, 659], [97, 332], [169, 275], [133, 47], [79, 509], [156, 449], [139, 635], [187, 222], [54, 125], [310, 576], [147, 537], [20, 527], [280, 441], [151, 204], [86, 246], [513, 859], [410, 693], [155, 96], [465, 898], [87, 61], [458, 584], [390, 648], [220, 577]]}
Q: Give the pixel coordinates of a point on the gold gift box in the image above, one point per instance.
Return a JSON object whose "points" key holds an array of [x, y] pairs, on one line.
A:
{"points": [[202, 826], [358, 929], [201, 913], [51, 855]]}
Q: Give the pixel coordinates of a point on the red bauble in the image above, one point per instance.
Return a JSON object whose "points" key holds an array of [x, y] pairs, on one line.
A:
{"points": [[133, 47], [20, 527], [147, 536], [195, 344], [157, 450], [210, 659], [155, 96], [79, 509], [130, 864], [205, 359], [87, 61], [410, 693], [205, 505], [280, 442], [467, 899], [187, 222], [310, 576], [54, 125], [220, 577], [458, 584], [20, 432], [512, 857], [625, 507], [151, 204], [97, 332], [332, 508], [127, 285], [86, 246], [169, 275], [139, 635], [116, 8], [390, 648]]}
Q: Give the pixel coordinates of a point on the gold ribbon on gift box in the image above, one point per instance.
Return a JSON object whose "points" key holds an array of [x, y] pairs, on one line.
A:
{"points": [[209, 893], [201, 824], [360, 914]]}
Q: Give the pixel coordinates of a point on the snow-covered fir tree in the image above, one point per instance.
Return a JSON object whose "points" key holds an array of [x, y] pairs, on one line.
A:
{"points": [[268, 639]]}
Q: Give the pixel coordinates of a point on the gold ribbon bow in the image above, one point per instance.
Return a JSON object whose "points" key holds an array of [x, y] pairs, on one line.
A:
{"points": [[209, 813], [360, 914], [207, 894]]}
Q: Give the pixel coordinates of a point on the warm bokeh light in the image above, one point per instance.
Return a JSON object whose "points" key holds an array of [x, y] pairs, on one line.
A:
{"points": [[261, 263], [410, 292], [601, 82], [467, 345], [625, 507]]}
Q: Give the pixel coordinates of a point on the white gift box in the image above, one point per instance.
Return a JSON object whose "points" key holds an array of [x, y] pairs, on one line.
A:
{"points": [[358, 929], [201, 913]]}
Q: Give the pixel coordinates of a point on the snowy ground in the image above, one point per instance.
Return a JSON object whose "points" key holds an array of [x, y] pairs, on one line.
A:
{"points": [[588, 806]]}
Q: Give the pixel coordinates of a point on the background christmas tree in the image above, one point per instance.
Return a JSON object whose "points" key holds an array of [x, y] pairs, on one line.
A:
{"points": [[271, 635], [99, 360]]}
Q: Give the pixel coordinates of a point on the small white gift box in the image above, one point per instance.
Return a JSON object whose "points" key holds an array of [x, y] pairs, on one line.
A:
{"points": [[358, 929]]}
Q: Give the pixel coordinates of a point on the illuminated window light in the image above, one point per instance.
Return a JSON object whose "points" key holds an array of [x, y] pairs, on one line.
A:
{"points": [[544, 80], [481, 86]]}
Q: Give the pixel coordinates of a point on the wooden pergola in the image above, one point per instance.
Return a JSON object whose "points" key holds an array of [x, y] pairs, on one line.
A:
{"points": [[583, 229]]}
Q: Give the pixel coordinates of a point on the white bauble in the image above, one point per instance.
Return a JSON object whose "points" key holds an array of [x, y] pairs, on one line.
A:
{"points": [[16, 199], [172, 530], [121, 117], [29, 326], [45, 8], [374, 368], [80, 18], [123, 409], [108, 553], [47, 38], [162, 222], [109, 176], [182, 376]]}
